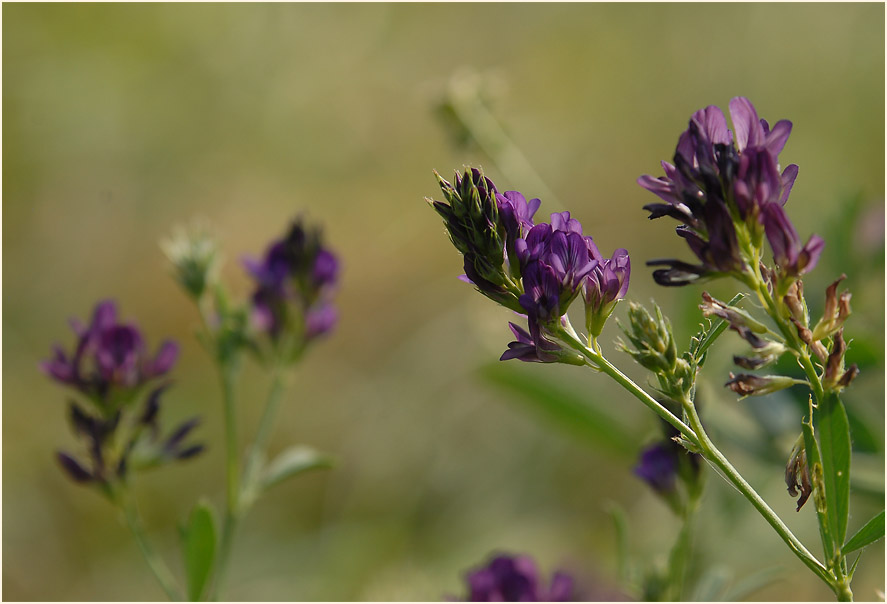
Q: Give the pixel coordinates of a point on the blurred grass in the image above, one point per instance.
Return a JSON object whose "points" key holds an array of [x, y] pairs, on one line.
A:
{"points": [[121, 120]]}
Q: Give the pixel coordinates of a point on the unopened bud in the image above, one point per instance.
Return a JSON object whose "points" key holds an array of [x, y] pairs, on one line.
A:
{"points": [[794, 300], [740, 321], [806, 336], [796, 474], [746, 384], [836, 311], [761, 357]]}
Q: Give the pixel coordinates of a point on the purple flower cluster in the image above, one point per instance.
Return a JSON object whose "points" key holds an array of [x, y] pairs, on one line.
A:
{"points": [[295, 282], [516, 579], [533, 269], [719, 183], [109, 366], [110, 361]]}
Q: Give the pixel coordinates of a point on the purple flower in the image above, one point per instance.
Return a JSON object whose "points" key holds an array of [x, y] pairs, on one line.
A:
{"points": [[604, 286], [716, 186], [788, 254], [294, 284], [516, 579], [110, 360], [658, 467]]}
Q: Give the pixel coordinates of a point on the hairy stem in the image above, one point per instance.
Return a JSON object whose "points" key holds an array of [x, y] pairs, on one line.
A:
{"points": [[158, 567]]}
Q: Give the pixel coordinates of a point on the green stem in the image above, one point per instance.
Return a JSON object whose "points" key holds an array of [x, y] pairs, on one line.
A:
{"points": [[257, 449], [238, 499], [158, 567], [735, 478], [232, 472], [680, 553], [602, 364]]}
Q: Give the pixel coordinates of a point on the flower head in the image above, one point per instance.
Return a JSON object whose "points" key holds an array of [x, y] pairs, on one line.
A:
{"points": [[110, 365], [110, 360], [516, 579], [720, 183], [294, 285]]}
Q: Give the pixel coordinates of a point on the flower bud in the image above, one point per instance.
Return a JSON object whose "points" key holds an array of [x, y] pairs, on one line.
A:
{"points": [[797, 475], [195, 257], [654, 346], [761, 357], [740, 321], [746, 384], [836, 311]]}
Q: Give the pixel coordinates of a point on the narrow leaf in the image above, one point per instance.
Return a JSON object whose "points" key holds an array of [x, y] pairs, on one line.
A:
{"points": [[575, 414], [199, 548], [871, 532], [814, 467], [834, 435], [292, 461], [740, 590]]}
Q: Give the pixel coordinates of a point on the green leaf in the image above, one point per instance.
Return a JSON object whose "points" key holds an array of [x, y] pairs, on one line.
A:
{"points": [[834, 436], [711, 585], [292, 461], [199, 548], [740, 590], [814, 467], [575, 414], [871, 532]]}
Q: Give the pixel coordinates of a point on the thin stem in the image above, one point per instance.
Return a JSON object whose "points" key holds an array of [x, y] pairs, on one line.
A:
{"points": [[158, 567], [680, 553], [232, 472], [717, 458], [602, 364], [241, 499], [257, 449]]}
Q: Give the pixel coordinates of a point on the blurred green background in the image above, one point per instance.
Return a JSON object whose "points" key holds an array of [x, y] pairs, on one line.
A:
{"points": [[121, 121]]}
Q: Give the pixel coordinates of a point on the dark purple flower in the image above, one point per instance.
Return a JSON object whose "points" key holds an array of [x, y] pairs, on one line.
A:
{"points": [[788, 254], [604, 286], [110, 358], [567, 255], [294, 284], [516, 579], [715, 185], [658, 467]]}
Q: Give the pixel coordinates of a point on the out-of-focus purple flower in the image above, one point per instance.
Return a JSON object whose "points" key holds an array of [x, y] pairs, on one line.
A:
{"points": [[717, 185], [604, 286], [110, 359], [509, 578], [658, 467], [294, 285], [788, 254]]}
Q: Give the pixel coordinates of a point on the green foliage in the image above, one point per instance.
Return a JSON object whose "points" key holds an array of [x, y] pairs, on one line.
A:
{"points": [[578, 415], [293, 461], [199, 548], [834, 436], [868, 534]]}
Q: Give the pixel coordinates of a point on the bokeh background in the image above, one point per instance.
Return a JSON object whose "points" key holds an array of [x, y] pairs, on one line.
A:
{"points": [[123, 120]]}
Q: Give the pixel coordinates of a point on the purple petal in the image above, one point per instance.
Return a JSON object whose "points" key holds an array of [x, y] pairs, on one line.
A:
{"points": [[776, 138], [660, 187], [749, 132], [713, 125], [809, 256], [73, 468], [788, 180], [164, 360]]}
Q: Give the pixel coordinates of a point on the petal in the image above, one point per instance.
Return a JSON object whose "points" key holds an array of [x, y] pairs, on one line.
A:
{"points": [[776, 138], [746, 124], [788, 180]]}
